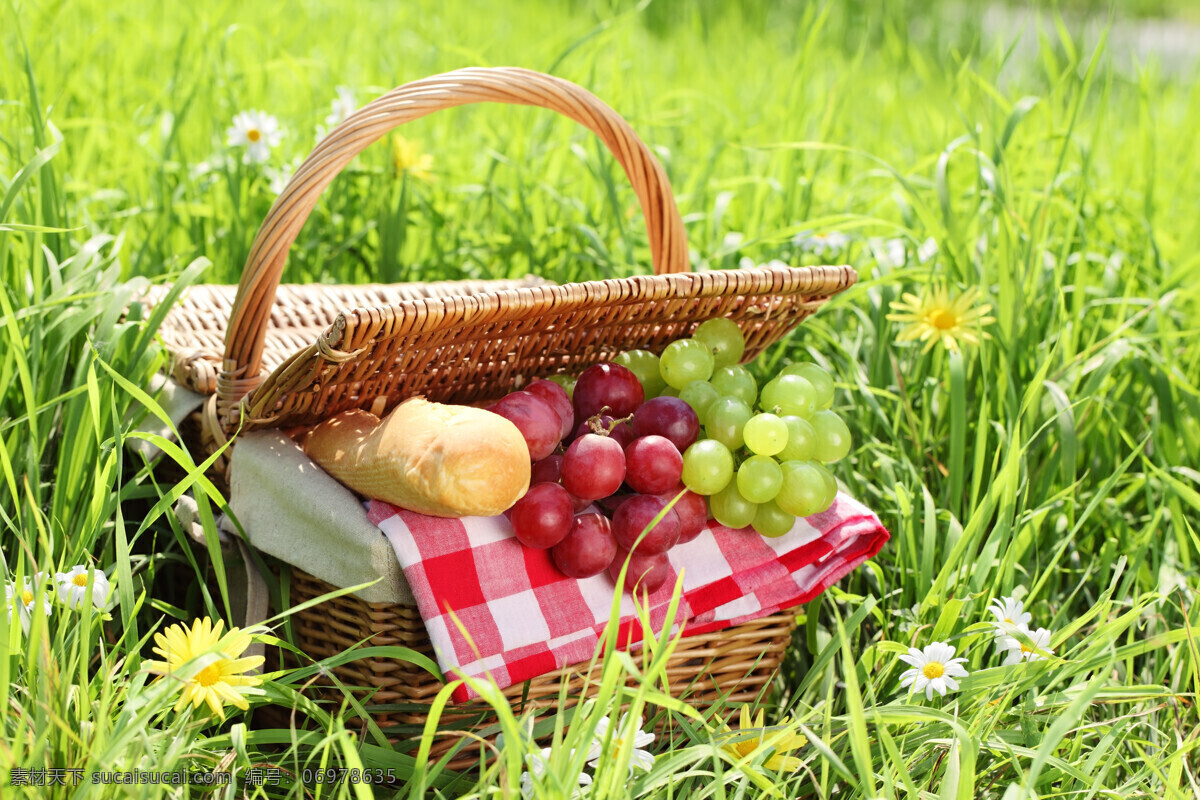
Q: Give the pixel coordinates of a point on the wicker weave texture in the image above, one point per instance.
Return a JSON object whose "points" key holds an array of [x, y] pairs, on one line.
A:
{"points": [[194, 329], [479, 347], [736, 664]]}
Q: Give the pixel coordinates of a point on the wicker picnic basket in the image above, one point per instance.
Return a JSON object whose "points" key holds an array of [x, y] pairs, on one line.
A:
{"points": [[288, 356]]}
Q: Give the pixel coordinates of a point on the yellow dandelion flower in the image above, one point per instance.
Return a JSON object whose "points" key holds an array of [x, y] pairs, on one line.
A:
{"points": [[936, 317], [752, 737], [221, 681], [407, 159]]}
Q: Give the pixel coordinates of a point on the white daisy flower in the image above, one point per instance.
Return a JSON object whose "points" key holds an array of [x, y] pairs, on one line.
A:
{"points": [[538, 763], [821, 244], [934, 669], [1018, 651], [1009, 611], [341, 107], [640, 758], [73, 591], [257, 131], [24, 601]]}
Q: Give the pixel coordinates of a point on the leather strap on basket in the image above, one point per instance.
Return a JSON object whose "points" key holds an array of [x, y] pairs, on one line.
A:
{"points": [[260, 279]]}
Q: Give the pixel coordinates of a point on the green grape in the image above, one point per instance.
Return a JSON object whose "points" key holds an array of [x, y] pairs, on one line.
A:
{"points": [[833, 437], [644, 365], [771, 520], [766, 434], [729, 508], [707, 467], [818, 377], [789, 394], [803, 492], [735, 381], [565, 381], [725, 419], [668, 391], [801, 440], [684, 361], [723, 339], [831, 487], [759, 479], [699, 395]]}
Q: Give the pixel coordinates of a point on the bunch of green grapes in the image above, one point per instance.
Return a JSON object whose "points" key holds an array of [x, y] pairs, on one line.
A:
{"points": [[762, 457]]}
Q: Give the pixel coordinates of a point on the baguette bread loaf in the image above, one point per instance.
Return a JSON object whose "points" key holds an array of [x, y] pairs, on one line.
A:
{"points": [[441, 460]]}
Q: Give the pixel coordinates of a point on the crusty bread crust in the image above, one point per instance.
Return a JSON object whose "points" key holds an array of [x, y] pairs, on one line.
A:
{"points": [[441, 460]]}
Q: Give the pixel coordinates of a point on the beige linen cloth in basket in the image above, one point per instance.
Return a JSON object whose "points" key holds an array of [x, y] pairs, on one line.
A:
{"points": [[289, 508]]}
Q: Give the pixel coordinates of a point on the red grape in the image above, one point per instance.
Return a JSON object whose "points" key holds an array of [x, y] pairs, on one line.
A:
{"points": [[645, 572], [579, 504], [588, 549], [543, 517], [609, 385], [669, 417], [593, 467], [635, 515], [691, 509], [652, 465], [559, 400], [585, 427], [611, 503], [537, 421], [623, 433], [548, 470]]}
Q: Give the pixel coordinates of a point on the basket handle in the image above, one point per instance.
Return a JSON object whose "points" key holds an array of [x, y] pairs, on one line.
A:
{"points": [[256, 291]]}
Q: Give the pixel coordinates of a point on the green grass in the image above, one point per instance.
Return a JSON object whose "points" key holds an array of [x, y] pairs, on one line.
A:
{"points": [[1058, 456]]}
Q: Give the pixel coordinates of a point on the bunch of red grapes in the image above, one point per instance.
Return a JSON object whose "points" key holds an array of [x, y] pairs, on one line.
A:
{"points": [[615, 494]]}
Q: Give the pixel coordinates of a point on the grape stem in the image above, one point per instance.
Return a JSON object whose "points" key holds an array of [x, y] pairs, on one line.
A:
{"points": [[597, 424]]}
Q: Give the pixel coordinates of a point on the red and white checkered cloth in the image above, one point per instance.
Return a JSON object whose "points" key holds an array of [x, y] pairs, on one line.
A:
{"points": [[525, 618]]}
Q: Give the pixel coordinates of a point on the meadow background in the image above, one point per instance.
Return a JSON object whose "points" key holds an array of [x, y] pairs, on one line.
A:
{"points": [[1050, 168]]}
